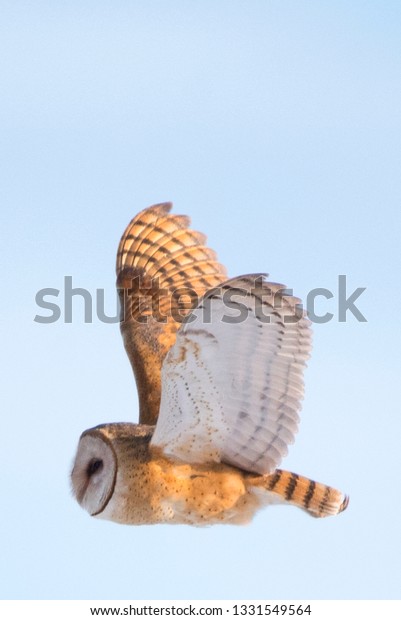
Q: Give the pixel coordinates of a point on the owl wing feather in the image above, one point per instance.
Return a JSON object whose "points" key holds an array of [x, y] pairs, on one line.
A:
{"points": [[163, 269], [232, 383]]}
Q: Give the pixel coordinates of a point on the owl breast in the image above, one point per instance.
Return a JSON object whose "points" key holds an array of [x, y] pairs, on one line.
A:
{"points": [[162, 491]]}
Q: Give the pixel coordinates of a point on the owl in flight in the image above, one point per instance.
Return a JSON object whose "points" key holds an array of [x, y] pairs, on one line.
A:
{"points": [[219, 369]]}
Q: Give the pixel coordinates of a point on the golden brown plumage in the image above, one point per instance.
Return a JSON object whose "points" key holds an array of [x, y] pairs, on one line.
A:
{"points": [[159, 255], [219, 369]]}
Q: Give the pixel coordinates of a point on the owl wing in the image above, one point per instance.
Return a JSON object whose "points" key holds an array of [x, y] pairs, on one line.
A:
{"points": [[163, 269], [232, 383]]}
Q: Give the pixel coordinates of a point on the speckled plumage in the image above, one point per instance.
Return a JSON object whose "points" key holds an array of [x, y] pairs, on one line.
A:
{"points": [[219, 368]]}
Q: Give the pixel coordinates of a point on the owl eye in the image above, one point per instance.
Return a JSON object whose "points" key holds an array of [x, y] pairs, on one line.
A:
{"points": [[94, 465]]}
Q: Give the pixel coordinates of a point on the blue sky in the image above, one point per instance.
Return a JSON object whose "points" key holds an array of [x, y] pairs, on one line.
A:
{"points": [[276, 127]]}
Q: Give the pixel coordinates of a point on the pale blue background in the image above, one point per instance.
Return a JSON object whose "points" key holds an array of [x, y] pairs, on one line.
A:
{"points": [[276, 126]]}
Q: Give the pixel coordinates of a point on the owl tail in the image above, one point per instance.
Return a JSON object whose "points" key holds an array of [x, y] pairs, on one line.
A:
{"points": [[319, 500]]}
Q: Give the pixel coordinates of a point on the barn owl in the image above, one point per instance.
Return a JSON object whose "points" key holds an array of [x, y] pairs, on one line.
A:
{"points": [[219, 369]]}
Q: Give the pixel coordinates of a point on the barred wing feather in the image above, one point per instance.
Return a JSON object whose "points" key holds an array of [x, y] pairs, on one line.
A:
{"points": [[158, 257]]}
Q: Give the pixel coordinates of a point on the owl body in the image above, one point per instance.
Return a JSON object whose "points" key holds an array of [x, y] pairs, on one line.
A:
{"points": [[219, 368], [149, 488]]}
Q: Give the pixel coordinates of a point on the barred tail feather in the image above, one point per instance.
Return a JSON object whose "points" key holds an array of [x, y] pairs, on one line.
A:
{"points": [[319, 500]]}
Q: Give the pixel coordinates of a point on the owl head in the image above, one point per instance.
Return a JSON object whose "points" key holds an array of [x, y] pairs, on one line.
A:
{"points": [[104, 455]]}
